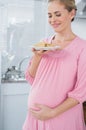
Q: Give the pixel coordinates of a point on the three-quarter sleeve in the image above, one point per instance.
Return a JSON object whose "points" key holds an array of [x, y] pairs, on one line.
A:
{"points": [[28, 77], [79, 91]]}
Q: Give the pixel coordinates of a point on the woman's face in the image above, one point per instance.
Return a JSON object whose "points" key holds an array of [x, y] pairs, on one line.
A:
{"points": [[59, 17]]}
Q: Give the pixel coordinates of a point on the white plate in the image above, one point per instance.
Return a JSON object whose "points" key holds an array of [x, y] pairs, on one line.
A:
{"points": [[46, 48]]}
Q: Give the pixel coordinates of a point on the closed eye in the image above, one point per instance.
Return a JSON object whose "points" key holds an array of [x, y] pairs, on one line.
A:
{"points": [[58, 15], [49, 16]]}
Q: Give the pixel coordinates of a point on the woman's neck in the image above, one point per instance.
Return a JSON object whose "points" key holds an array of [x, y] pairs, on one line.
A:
{"points": [[63, 39]]}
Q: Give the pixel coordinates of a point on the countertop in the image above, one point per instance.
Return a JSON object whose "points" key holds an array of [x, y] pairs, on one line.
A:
{"points": [[14, 81]]}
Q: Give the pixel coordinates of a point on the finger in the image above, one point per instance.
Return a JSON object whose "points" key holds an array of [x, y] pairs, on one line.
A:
{"points": [[38, 105], [35, 112], [46, 51], [34, 50], [37, 51]]}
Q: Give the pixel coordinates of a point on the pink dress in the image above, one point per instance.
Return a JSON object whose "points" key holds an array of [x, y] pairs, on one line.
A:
{"points": [[60, 74]]}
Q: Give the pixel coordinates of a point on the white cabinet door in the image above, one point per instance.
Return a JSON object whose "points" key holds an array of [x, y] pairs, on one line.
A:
{"points": [[15, 97]]}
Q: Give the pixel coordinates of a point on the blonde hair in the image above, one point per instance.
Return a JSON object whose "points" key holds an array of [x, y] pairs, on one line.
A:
{"points": [[69, 4]]}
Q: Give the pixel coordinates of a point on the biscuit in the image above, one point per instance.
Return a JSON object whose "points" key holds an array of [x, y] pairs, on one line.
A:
{"points": [[43, 44]]}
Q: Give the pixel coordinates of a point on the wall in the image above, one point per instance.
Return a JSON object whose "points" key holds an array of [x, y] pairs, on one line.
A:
{"points": [[23, 25], [79, 27]]}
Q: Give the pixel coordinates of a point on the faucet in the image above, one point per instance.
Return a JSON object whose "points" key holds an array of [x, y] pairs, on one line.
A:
{"points": [[20, 63]]}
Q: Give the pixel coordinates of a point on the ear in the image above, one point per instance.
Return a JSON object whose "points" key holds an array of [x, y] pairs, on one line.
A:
{"points": [[72, 14]]}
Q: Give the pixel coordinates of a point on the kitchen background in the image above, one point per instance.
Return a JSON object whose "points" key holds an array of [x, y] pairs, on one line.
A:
{"points": [[23, 23]]}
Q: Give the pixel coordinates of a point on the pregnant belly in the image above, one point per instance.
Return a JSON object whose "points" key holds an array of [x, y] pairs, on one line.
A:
{"points": [[49, 98]]}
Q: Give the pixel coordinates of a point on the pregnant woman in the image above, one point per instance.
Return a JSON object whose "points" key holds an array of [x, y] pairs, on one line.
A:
{"points": [[58, 77]]}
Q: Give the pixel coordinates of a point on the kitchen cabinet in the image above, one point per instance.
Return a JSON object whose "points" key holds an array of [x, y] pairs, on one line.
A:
{"points": [[14, 105]]}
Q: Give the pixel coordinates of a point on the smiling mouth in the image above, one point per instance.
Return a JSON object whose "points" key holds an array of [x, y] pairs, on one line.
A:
{"points": [[55, 25]]}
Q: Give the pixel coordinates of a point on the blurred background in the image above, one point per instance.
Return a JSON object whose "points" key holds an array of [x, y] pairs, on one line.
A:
{"points": [[23, 23]]}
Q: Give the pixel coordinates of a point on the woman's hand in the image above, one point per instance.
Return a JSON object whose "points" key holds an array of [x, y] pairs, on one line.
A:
{"points": [[39, 52], [35, 61], [43, 112]]}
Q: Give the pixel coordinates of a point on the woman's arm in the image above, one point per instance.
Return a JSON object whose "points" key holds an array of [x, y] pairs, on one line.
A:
{"points": [[34, 65], [45, 112], [66, 105], [35, 61]]}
